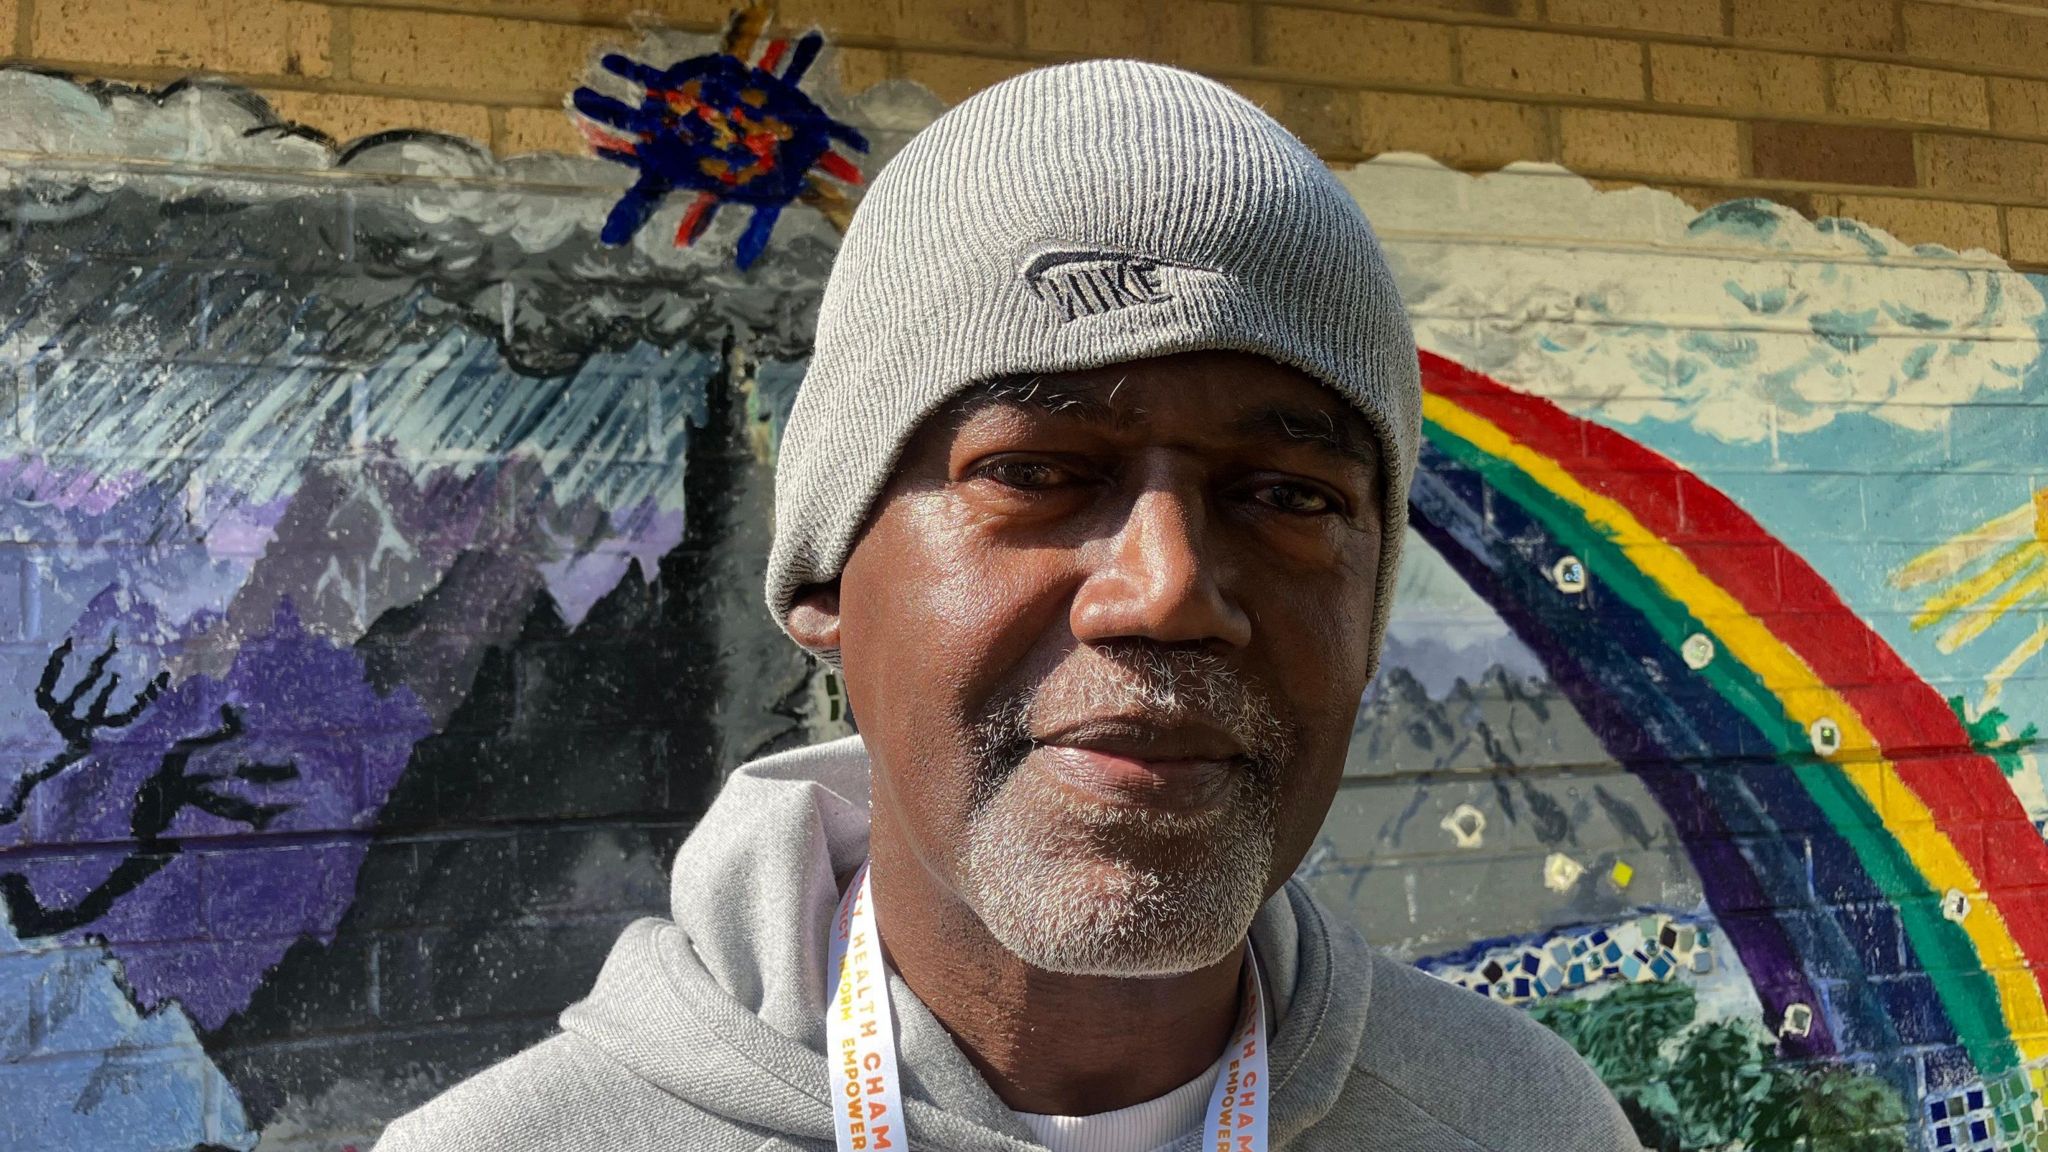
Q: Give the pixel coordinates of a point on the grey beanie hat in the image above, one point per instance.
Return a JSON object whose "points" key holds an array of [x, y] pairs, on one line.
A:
{"points": [[1070, 218]]}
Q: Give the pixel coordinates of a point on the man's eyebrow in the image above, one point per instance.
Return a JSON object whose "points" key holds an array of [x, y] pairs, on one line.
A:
{"points": [[1319, 426], [1089, 400], [1082, 400]]}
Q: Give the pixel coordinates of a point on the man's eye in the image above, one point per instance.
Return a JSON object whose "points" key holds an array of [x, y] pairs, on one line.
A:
{"points": [[1298, 499], [1028, 475]]}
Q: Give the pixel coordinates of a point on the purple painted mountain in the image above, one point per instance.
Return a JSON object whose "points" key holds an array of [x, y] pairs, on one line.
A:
{"points": [[224, 821]]}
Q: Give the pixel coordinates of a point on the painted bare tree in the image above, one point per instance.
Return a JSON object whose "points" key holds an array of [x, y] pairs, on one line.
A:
{"points": [[172, 788], [78, 729]]}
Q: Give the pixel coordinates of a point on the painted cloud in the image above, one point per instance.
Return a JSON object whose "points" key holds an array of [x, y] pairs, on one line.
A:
{"points": [[1633, 305]]}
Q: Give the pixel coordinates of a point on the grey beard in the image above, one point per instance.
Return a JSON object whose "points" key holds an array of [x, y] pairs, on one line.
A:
{"points": [[1098, 890]]}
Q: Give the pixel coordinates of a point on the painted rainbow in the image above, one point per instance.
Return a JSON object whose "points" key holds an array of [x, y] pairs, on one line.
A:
{"points": [[1890, 880]]}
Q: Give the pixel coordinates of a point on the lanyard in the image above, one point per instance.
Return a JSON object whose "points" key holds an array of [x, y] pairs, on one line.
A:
{"points": [[860, 1036], [860, 1033]]}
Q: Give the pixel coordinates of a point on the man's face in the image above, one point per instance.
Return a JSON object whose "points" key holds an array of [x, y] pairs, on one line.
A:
{"points": [[1105, 636]]}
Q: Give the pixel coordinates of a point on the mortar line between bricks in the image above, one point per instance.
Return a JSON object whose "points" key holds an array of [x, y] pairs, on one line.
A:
{"points": [[1590, 768], [341, 42], [500, 130], [497, 829], [1457, 46], [1702, 251], [380, 1031], [374, 1029], [25, 28], [2015, 336]]}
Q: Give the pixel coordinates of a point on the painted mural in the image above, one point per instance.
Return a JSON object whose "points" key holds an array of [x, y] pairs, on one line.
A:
{"points": [[382, 522], [347, 501], [1708, 732]]}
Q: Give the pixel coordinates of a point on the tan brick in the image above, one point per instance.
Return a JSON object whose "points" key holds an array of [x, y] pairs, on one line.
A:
{"points": [[1831, 154], [540, 130], [347, 118], [965, 23], [1685, 17], [1830, 25], [1914, 95], [1979, 164], [10, 20], [1646, 144], [251, 37], [473, 55], [1549, 62], [2026, 230], [1958, 226], [955, 78], [2019, 107], [1326, 119], [1978, 37], [1205, 34], [1091, 27], [1738, 79], [1461, 133], [862, 68], [1348, 46], [700, 14], [1507, 9]]}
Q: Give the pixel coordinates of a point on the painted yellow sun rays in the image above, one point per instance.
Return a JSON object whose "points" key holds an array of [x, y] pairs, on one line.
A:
{"points": [[1980, 578]]}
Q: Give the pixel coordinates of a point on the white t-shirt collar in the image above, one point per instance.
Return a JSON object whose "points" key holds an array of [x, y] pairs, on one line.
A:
{"points": [[1144, 1127]]}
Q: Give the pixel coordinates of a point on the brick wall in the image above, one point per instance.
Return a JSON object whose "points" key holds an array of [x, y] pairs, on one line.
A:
{"points": [[418, 495], [1925, 117]]}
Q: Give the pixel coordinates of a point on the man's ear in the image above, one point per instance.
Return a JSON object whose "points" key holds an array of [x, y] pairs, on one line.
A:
{"points": [[814, 617]]}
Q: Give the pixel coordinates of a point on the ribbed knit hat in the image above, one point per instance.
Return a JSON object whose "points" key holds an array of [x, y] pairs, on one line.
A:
{"points": [[1070, 218]]}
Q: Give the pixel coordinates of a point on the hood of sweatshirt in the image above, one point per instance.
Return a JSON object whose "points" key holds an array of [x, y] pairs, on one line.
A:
{"points": [[724, 1005]]}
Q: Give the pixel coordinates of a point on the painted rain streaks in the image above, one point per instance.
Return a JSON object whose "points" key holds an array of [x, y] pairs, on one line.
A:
{"points": [[610, 432], [1804, 697]]}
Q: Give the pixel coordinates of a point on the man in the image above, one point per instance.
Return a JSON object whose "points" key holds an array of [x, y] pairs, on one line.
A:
{"points": [[1095, 490]]}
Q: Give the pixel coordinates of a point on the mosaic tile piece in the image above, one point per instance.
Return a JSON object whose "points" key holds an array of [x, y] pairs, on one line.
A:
{"points": [[2005, 1114], [1650, 949]]}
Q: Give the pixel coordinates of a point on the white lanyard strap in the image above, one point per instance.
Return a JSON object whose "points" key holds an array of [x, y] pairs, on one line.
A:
{"points": [[860, 1034], [1237, 1105]]}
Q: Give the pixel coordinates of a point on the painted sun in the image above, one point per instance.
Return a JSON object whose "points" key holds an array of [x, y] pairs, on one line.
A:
{"points": [[1982, 577]]}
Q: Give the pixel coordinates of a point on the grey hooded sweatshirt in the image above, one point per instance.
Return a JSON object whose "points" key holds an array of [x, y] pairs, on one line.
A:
{"points": [[707, 1033]]}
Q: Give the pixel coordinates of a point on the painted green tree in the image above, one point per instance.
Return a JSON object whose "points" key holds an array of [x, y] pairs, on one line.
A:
{"points": [[1987, 735], [1689, 1086]]}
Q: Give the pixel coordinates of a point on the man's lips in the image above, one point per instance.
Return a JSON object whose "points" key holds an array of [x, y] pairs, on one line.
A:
{"points": [[1111, 778]]}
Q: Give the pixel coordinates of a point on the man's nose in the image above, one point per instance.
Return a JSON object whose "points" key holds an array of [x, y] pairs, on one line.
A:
{"points": [[1158, 577]]}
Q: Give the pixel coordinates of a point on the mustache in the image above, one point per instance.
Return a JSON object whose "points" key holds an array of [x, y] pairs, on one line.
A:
{"points": [[1136, 685]]}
